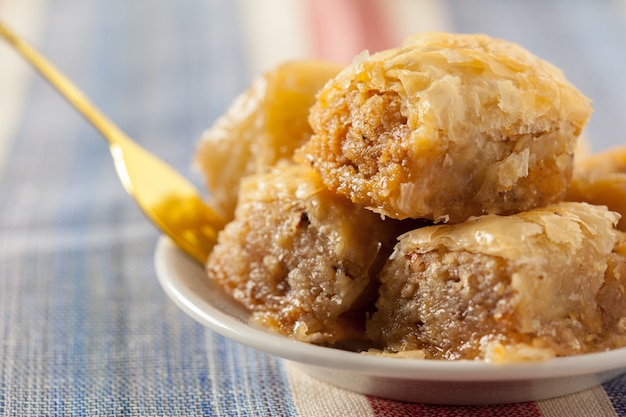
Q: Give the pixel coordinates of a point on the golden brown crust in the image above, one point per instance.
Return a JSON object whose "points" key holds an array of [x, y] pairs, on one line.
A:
{"points": [[446, 127]]}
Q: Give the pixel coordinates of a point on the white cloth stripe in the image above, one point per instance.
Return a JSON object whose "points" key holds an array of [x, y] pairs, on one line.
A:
{"points": [[413, 16], [275, 31], [24, 17], [594, 401], [313, 398]]}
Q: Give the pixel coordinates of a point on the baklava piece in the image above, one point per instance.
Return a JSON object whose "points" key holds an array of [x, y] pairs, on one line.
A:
{"points": [[445, 127], [262, 127], [601, 179], [528, 286], [302, 259]]}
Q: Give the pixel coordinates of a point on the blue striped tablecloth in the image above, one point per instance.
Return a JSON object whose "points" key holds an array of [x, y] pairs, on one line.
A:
{"points": [[85, 328]]}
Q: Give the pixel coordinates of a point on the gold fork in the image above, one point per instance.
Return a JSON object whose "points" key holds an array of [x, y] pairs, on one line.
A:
{"points": [[168, 199]]}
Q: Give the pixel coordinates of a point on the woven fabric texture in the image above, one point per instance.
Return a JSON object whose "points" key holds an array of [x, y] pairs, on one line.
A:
{"points": [[85, 328]]}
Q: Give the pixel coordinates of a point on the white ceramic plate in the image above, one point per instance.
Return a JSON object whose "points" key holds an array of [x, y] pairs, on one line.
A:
{"points": [[440, 382]]}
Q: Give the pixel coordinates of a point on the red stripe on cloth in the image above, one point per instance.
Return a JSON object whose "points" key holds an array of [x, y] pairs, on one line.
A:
{"points": [[342, 29], [386, 408]]}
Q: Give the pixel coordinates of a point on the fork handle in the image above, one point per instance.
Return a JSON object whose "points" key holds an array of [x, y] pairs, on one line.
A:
{"points": [[99, 120]]}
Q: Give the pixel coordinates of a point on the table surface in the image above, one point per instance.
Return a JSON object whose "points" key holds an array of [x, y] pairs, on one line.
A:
{"points": [[85, 328]]}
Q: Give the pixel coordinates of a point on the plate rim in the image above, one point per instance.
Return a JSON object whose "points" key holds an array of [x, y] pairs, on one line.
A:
{"points": [[170, 262]]}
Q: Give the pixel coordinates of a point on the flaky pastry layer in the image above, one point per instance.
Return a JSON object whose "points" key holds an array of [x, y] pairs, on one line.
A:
{"points": [[445, 127]]}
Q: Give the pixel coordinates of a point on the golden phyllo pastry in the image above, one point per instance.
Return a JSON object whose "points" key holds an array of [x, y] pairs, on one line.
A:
{"points": [[262, 127], [445, 127], [533, 285], [601, 179], [301, 258]]}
